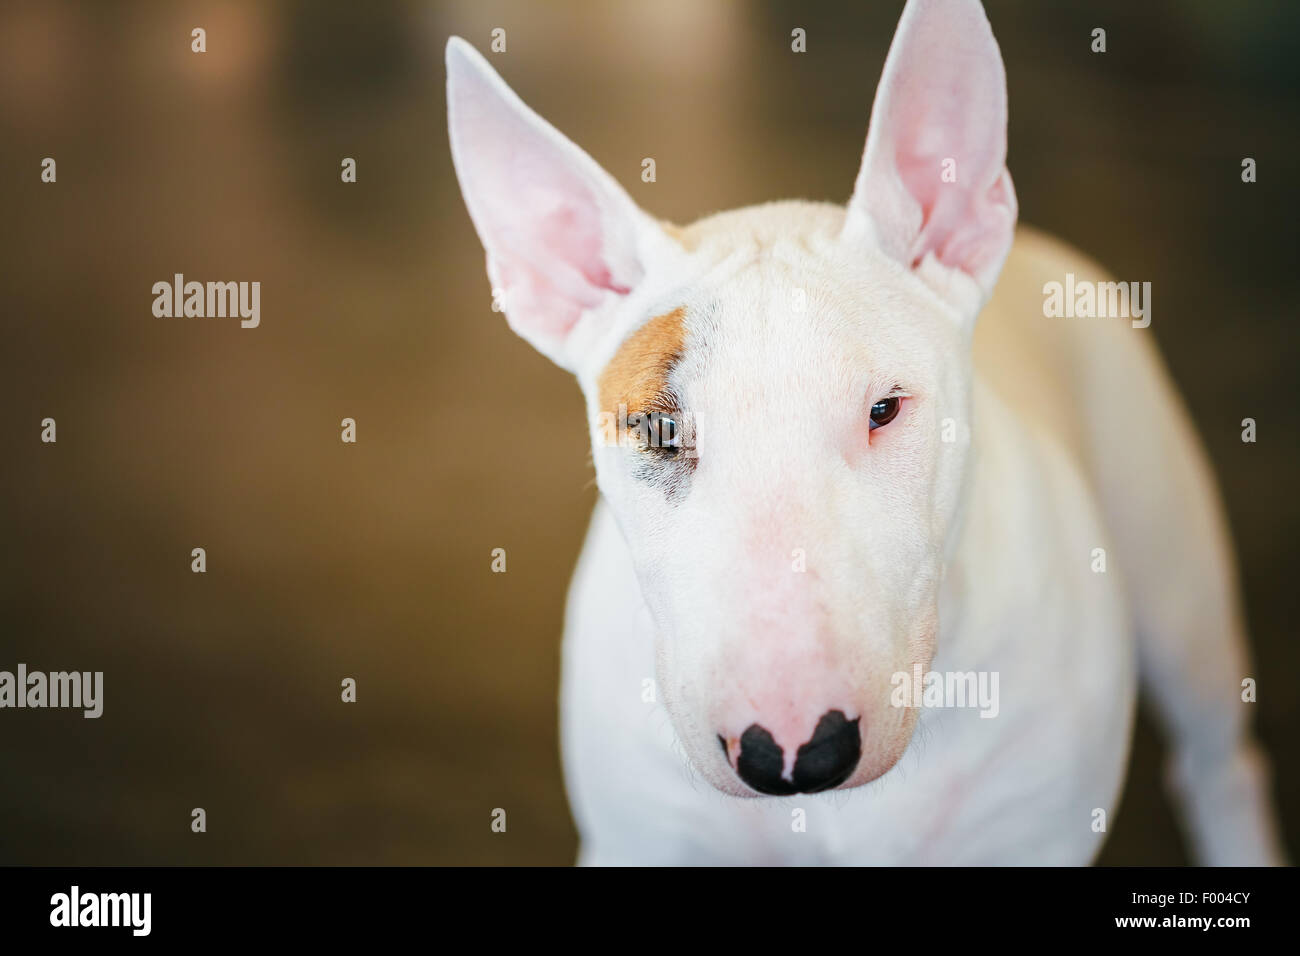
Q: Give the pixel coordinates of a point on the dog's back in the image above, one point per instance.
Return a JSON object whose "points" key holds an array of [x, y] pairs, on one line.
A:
{"points": [[1095, 384]]}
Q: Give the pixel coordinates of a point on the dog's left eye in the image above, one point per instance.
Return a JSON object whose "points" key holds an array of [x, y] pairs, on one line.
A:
{"points": [[883, 412]]}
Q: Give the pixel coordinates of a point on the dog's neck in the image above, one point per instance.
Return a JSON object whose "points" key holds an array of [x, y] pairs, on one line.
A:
{"points": [[967, 547]]}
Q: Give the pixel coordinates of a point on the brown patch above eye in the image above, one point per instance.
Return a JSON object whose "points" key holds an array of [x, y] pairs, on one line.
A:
{"points": [[637, 376]]}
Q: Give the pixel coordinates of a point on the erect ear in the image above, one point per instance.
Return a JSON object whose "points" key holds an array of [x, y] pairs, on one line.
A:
{"points": [[933, 181], [564, 242]]}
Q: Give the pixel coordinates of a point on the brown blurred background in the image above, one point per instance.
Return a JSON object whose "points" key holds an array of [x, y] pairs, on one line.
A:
{"points": [[371, 560]]}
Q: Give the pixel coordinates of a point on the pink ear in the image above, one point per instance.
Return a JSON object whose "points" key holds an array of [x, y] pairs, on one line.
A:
{"points": [[940, 114], [562, 238]]}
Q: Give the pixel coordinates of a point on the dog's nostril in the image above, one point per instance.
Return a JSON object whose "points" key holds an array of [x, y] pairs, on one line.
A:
{"points": [[829, 758], [825, 761], [761, 761]]}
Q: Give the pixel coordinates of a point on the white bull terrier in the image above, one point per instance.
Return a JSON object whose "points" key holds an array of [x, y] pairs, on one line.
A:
{"points": [[824, 495]]}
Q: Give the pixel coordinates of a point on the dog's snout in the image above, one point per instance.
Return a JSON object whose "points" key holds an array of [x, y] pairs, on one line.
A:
{"points": [[825, 761]]}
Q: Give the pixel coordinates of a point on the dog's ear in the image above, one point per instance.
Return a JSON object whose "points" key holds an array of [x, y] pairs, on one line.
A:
{"points": [[563, 240], [933, 181]]}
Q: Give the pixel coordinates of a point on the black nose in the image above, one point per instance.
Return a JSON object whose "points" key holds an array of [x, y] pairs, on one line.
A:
{"points": [[823, 762]]}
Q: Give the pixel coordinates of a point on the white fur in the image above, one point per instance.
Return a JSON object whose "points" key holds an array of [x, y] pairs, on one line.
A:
{"points": [[966, 555]]}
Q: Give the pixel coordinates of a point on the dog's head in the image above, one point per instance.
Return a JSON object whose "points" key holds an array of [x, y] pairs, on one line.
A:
{"points": [[778, 396]]}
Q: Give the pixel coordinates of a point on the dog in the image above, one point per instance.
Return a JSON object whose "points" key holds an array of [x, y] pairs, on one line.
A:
{"points": [[826, 489]]}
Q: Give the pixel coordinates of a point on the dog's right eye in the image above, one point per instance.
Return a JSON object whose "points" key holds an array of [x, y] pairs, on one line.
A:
{"points": [[656, 432], [667, 434]]}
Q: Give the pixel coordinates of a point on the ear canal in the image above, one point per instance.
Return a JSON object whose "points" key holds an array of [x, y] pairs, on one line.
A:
{"points": [[933, 181], [562, 237]]}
